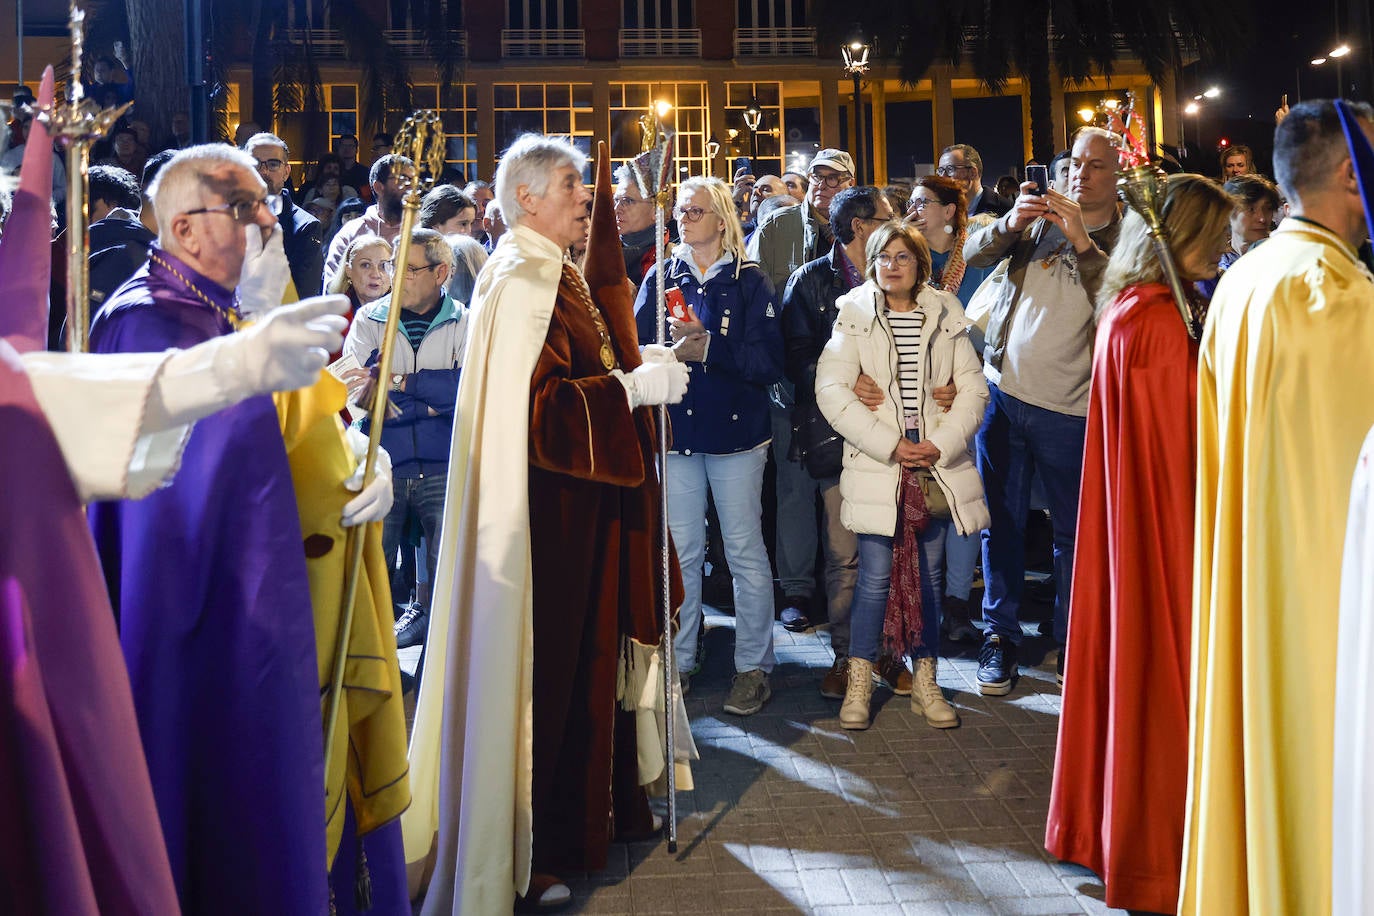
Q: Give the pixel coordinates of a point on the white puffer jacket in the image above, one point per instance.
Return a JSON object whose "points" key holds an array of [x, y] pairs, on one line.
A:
{"points": [[862, 341]]}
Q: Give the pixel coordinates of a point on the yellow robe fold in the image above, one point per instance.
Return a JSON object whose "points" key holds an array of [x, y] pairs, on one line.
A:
{"points": [[370, 753], [1284, 381]]}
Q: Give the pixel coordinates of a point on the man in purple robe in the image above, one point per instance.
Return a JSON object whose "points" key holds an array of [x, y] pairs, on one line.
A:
{"points": [[208, 581]]}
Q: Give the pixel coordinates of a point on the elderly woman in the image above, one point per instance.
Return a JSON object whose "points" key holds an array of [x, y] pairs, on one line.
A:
{"points": [[1126, 694], [908, 465], [939, 211], [366, 276], [732, 343]]}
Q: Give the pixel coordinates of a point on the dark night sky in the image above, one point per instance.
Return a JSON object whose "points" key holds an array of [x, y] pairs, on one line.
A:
{"points": [[1275, 62]]}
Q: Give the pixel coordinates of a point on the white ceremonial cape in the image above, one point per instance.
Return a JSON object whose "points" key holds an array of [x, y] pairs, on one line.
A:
{"points": [[1352, 813], [483, 599]]}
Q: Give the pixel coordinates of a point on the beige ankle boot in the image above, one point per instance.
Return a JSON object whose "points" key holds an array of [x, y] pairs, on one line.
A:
{"points": [[858, 692], [927, 698]]}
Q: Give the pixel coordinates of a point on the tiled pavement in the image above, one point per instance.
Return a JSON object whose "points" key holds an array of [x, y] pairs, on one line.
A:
{"points": [[793, 814]]}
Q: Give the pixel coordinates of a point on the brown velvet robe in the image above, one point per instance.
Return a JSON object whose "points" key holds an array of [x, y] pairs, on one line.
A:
{"points": [[594, 530]]}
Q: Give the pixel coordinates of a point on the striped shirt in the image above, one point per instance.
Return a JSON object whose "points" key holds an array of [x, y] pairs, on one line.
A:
{"points": [[415, 326], [906, 331]]}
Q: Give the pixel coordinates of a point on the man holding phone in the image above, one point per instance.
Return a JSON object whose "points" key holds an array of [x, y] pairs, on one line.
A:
{"points": [[1038, 361]]}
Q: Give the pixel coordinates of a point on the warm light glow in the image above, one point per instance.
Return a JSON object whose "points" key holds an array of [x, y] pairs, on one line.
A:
{"points": [[856, 45], [1212, 93], [1340, 51], [1318, 61], [662, 107], [1192, 108], [1110, 104], [732, 132], [1086, 114]]}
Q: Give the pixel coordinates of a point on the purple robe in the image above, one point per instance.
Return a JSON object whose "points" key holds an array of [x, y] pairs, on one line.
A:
{"points": [[208, 582], [80, 832]]}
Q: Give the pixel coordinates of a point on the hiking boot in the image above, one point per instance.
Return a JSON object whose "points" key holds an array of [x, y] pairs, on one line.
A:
{"points": [[412, 628], [891, 672], [833, 684], [929, 700], [996, 666], [959, 620], [858, 692], [748, 693]]}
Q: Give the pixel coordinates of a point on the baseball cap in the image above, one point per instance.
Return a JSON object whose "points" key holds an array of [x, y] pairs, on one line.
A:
{"points": [[836, 159]]}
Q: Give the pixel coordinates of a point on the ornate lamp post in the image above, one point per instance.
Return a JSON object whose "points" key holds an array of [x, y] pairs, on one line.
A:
{"points": [[855, 55], [753, 117], [712, 151]]}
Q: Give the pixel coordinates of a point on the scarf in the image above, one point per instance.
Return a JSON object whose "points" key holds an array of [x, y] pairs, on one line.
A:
{"points": [[902, 624], [953, 275]]}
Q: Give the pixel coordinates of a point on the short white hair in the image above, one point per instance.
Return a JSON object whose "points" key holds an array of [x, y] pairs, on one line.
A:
{"points": [[182, 184], [531, 161]]}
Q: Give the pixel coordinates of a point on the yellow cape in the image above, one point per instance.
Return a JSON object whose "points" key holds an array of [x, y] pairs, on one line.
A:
{"points": [[371, 751], [1284, 378]]}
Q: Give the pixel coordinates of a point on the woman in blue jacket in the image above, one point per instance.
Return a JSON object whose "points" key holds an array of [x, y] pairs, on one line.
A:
{"points": [[732, 344]]}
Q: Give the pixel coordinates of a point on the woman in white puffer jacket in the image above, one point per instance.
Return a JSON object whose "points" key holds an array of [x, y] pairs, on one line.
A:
{"points": [[909, 338]]}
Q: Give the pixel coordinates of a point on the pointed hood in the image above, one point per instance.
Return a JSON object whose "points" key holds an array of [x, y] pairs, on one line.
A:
{"points": [[605, 261], [1362, 156], [25, 248]]}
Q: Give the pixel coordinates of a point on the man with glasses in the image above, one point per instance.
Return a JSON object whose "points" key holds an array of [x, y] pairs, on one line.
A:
{"points": [[423, 387], [208, 576], [302, 234], [784, 241], [634, 220], [390, 179], [962, 163]]}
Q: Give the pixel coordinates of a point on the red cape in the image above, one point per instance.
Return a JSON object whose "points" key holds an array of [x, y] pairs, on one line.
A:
{"points": [[1121, 769]]}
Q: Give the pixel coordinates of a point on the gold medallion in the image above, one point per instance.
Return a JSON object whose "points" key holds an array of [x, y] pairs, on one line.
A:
{"points": [[607, 355]]}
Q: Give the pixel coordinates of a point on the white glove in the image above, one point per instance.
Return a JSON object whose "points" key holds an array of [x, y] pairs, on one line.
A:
{"points": [[374, 502], [655, 383], [262, 282], [657, 353], [285, 350]]}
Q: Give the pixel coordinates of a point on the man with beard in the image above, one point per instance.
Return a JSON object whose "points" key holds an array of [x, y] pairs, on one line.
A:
{"points": [[390, 177]]}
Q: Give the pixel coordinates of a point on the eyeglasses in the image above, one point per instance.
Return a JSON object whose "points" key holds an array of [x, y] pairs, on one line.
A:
{"points": [[920, 203], [243, 211], [627, 201], [901, 259], [270, 165], [386, 267], [949, 171], [831, 180], [690, 214], [413, 272], [873, 219]]}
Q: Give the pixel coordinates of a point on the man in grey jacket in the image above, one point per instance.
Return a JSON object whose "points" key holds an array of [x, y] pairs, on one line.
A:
{"points": [[1038, 361]]}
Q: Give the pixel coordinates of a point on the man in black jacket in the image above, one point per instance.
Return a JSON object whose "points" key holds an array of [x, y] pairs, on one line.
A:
{"points": [[808, 312], [962, 163], [302, 234]]}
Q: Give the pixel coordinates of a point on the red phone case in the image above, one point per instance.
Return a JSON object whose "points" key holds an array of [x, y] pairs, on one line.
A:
{"points": [[677, 305]]}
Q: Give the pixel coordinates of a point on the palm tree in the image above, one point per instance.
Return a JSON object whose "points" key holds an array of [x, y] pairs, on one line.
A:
{"points": [[1005, 37]]}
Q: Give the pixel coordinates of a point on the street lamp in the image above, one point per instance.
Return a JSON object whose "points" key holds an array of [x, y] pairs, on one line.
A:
{"points": [[855, 55], [753, 116], [712, 151]]}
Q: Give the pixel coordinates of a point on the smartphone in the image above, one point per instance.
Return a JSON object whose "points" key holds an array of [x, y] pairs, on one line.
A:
{"points": [[677, 305], [1040, 174]]}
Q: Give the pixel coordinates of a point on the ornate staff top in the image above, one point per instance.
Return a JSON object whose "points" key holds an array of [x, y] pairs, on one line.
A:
{"points": [[421, 140], [652, 167]]}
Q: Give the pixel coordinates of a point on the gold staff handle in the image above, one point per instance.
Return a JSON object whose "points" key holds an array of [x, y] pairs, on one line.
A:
{"points": [[422, 139]]}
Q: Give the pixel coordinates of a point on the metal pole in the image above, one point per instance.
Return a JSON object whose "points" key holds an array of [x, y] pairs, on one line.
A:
{"points": [[858, 128], [195, 71], [78, 244], [19, 31]]}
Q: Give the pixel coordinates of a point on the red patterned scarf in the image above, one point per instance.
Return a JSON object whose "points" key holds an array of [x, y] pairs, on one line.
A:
{"points": [[953, 275], [902, 624]]}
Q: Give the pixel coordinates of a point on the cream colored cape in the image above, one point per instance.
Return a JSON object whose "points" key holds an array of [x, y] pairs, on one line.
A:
{"points": [[96, 404], [1284, 379], [1352, 815], [471, 746]]}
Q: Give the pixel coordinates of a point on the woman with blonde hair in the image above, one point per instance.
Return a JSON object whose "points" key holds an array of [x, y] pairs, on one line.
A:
{"points": [[731, 340], [366, 274], [908, 464], [1121, 770]]}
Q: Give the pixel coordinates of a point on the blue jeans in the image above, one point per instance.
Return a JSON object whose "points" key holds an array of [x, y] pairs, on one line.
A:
{"points": [[961, 558], [870, 595], [736, 483], [422, 498], [1016, 441]]}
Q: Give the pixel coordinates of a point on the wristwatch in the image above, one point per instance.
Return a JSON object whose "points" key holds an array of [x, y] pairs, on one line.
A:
{"points": [[398, 382]]}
